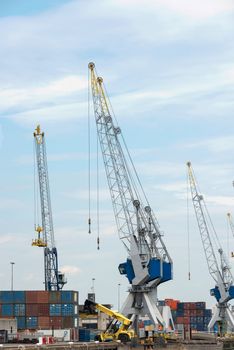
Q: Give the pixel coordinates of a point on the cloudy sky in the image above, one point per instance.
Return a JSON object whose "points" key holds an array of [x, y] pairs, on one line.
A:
{"points": [[169, 72]]}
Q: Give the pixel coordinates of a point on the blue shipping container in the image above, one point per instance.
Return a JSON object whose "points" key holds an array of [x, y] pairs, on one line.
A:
{"points": [[7, 310], [84, 334], [55, 309], [6, 297], [31, 322], [67, 296], [208, 312], [180, 313], [180, 306], [21, 322], [19, 297], [67, 309], [19, 309]]}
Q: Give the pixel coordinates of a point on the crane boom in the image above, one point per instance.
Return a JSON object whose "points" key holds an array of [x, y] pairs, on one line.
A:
{"points": [[54, 280], [224, 290], [202, 225], [149, 262], [132, 218]]}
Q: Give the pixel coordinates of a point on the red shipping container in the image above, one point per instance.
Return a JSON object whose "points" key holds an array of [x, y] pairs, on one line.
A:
{"points": [[44, 322], [68, 322], [31, 310], [192, 306], [187, 312], [172, 303], [193, 312], [43, 310], [56, 322], [199, 312], [43, 297], [31, 296]]}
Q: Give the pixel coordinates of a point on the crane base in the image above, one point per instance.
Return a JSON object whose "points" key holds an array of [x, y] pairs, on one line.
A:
{"points": [[223, 316], [138, 305]]}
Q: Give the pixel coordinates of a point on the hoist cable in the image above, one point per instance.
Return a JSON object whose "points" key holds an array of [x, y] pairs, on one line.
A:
{"points": [[188, 229], [34, 186], [89, 156], [98, 197]]}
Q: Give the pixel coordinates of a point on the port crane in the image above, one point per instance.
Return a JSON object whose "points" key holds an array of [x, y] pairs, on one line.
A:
{"points": [[220, 272], [54, 279], [148, 263]]}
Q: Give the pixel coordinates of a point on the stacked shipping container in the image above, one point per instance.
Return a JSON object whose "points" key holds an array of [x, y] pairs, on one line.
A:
{"points": [[191, 315], [40, 309]]}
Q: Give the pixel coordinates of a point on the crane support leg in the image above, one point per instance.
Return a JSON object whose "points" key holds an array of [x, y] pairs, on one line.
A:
{"points": [[222, 314], [139, 304]]}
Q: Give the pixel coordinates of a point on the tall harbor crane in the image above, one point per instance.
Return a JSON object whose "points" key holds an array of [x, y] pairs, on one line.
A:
{"points": [[220, 272], [54, 280], [148, 263]]}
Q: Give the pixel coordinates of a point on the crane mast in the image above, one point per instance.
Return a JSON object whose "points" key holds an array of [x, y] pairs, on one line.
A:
{"points": [[148, 263], [221, 273], [54, 280]]}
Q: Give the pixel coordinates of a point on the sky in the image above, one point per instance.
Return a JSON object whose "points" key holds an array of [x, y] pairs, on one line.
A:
{"points": [[169, 73]]}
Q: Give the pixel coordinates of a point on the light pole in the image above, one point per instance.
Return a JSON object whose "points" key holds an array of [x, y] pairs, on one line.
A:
{"points": [[12, 265], [93, 279], [119, 296]]}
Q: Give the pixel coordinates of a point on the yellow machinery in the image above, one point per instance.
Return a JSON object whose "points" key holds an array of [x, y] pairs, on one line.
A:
{"points": [[38, 242], [118, 328]]}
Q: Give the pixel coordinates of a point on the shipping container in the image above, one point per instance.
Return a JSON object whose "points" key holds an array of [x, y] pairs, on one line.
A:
{"points": [[180, 306], [43, 310], [172, 303], [19, 309], [31, 296], [67, 309], [67, 296], [31, 310], [19, 297], [183, 320], [208, 313], [32, 322], [44, 322], [43, 297], [21, 322], [7, 310], [84, 334], [200, 305], [54, 297], [55, 309], [6, 297], [67, 322], [56, 322], [207, 319]]}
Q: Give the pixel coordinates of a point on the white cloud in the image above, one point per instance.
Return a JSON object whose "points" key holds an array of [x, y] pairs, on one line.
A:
{"points": [[217, 145], [6, 239], [227, 202], [71, 270]]}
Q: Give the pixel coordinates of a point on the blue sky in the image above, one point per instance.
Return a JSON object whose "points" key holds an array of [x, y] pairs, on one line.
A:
{"points": [[168, 69]]}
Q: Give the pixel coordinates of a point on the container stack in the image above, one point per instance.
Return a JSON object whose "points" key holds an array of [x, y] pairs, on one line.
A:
{"points": [[35, 310], [192, 315]]}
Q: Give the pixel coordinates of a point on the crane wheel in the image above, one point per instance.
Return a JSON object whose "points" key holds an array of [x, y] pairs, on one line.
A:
{"points": [[124, 338]]}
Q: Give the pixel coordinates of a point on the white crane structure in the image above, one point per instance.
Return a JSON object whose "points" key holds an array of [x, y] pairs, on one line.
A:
{"points": [[54, 280], [149, 263], [220, 272]]}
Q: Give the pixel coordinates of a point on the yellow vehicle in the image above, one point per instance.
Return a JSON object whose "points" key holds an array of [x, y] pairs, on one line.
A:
{"points": [[118, 328]]}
